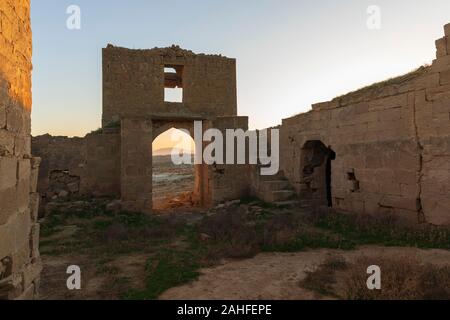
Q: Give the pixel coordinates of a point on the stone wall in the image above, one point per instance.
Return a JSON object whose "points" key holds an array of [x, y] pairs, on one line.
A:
{"points": [[225, 181], [20, 263], [120, 164], [58, 154], [93, 161], [134, 82], [391, 143]]}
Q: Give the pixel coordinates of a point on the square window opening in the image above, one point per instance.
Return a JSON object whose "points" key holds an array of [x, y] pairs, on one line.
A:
{"points": [[173, 83]]}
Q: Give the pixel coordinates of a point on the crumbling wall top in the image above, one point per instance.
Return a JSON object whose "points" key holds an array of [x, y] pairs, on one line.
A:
{"points": [[174, 51]]}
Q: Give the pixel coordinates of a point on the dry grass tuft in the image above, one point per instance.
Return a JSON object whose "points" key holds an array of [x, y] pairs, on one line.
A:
{"points": [[402, 278]]}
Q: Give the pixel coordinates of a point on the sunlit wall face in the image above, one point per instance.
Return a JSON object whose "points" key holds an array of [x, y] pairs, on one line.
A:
{"points": [[290, 53]]}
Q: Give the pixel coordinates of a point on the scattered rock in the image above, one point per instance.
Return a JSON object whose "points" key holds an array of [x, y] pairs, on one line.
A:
{"points": [[232, 203], [114, 206], [204, 237], [63, 194]]}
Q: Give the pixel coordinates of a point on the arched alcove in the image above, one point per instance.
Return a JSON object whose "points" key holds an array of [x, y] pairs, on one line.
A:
{"points": [[316, 166]]}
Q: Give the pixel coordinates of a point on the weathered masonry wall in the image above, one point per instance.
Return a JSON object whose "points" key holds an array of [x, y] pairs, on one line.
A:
{"points": [[93, 161], [109, 163], [390, 143], [134, 82], [225, 181], [20, 263], [58, 154]]}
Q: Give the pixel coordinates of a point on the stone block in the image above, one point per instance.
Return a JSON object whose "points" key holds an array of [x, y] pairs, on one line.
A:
{"points": [[441, 64], [8, 201], [14, 120], [11, 287], [6, 143], [27, 294], [399, 202], [34, 240], [2, 115], [8, 172], [444, 77], [447, 30], [34, 206], [437, 209], [6, 241], [441, 47], [35, 162], [23, 194], [31, 273], [34, 177]]}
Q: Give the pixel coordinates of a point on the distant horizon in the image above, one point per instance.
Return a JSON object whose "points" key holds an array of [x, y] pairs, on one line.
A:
{"points": [[169, 150]]}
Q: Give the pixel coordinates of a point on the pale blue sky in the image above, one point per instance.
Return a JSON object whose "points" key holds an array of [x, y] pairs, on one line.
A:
{"points": [[290, 53]]}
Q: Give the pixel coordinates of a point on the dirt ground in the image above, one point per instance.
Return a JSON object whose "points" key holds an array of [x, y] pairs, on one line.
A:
{"points": [[273, 276], [268, 276], [96, 284], [112, 267], [172, 185]]}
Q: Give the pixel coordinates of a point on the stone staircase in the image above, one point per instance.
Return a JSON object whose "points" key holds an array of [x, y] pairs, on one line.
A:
{"points": [[278, 190]]}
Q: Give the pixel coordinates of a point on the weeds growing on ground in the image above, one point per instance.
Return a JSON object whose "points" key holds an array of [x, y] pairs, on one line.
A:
{"points": [[178, 250], [403, 278]]}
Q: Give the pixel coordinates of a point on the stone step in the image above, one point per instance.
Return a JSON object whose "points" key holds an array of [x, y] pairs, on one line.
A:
{"points": [[276, 196], [288, 203], [275, 185]]}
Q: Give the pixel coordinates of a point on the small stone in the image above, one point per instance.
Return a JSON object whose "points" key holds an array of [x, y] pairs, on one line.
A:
{"points": [[63, 194], [204, 237], [73, 187], [114, 206], [233, 203]]}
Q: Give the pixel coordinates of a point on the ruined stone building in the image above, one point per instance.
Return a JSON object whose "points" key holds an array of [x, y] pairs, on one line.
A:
{"points": [[381, 149], [20, 264], [117, 160], [385, 148]]}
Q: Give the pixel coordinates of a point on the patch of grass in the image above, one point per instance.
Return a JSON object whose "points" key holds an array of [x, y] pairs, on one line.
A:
{"points": [[168, 269], [113, 124], [100, 231], [178, 250], [383, 230], [108, 270], [311, 240], [323, 278], [392, 81], [403, 278], [257, 202]]}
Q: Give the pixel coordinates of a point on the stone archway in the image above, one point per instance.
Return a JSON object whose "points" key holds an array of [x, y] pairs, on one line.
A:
{"points": [[137, 136], [174, 184], [316, 166]]}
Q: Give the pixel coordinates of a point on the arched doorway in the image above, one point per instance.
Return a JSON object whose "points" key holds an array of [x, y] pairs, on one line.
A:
{"points": [[174, 179], [316, 166]]}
